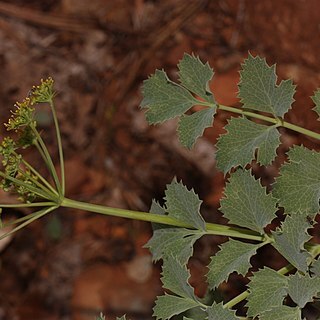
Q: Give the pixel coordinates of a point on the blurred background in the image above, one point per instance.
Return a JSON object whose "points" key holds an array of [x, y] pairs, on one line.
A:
{"points": [[72, 264]]}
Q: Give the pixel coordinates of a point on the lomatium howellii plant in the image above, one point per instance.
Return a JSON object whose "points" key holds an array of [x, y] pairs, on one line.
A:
{"points": [[252, 136]]}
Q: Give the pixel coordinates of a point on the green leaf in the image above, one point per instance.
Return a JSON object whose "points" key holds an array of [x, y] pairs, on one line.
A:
{"points": [[195, 76], [298, 187], [315, 268], [175, 278], [191, 127], [122, 318], [167, 306], [177, 242], [157, 209], [302, 288], [164, 99], [217, 312], [243, 138], [316, 99], [267, 290], [233, 256], [290, 239], [184, 205], [197, 313], [246, 202], [258, 89], [282, 313]]}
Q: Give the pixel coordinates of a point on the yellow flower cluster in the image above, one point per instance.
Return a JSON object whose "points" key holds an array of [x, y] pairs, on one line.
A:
{"points": [[23, 115], [43, 92]]}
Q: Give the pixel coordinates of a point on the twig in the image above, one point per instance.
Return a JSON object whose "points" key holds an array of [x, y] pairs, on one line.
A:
{"points": [[48, 20]]}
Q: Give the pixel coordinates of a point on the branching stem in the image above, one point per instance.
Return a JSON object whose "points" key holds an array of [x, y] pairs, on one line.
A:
{"points": [[211, 228]]}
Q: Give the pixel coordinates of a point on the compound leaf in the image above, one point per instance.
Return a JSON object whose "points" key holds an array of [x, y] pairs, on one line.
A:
{"points": [[298, 187], [175, 278], [316, 99], [246, 202], [177, 242], [184, 205], [267, 290], [233, 256], [168, 305], [290, 239], [164, 99], [191, 127], [195, 76], [302, 288], [282, 313], [239, 144], [258, 89], [217, 312]]}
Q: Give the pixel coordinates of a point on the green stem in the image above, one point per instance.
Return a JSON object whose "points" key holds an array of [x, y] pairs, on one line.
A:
{"points": [[301, 130], [272, 120], [44, 181], [214, 229], [47, 158], [249, 114], [36, 143], [225, 230], [245, 294], [34, 217], [27, 205], [56, 124], [313, 249], [31, 188], [37, 183], [27, 217]]}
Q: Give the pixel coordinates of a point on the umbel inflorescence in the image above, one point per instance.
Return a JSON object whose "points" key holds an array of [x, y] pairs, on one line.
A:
{"points": [[252, 136]]}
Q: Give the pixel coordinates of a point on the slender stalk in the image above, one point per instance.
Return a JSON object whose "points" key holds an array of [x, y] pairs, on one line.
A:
{"points": [[56, 124], [38, 184], [31, 188], [43, 156], [277, 121], [27, 217], [272, 120], [34, 217], [245, 294], [249, 114], [27, 205], [214, 229], [225, 230], [35, 172], [48, 159], [304, 131], [314, 250]]}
